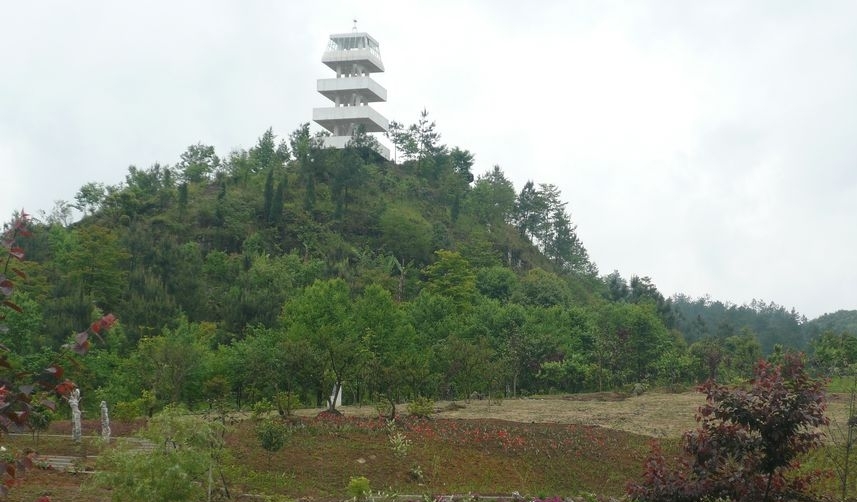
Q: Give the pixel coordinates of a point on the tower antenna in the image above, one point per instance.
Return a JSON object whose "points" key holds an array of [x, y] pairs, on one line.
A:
{"points": [[354, 29]]}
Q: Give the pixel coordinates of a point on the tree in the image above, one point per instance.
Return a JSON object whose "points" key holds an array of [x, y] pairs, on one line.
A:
{"points": [[97, 265], [403, 141], [452, 276], [530, 211], [322, 314], [90, 197], [833, 352], [28, 398], [306, 150], [541, 288], [565, 248], [197, 163], [188, 452], [405, 233], [746, 446], [467, 365], [496, 282], [709, 353], [630, 340], [171, 363], [492, 199], [617, 287], [389, 340], [266, 155], [555, 233]]}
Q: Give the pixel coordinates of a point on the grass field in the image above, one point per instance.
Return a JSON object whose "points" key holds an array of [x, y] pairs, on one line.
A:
{"points": [[557, 445]]}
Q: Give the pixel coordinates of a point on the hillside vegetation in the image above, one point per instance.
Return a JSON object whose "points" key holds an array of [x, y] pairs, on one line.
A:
{"points": [[279, 272]]}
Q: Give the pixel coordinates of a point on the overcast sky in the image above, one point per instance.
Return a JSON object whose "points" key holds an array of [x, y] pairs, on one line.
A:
{"points": [[708, 145]]}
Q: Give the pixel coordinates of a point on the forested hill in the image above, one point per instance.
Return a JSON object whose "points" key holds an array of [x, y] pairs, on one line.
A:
{"points": [[288, 266], [841, 321]]}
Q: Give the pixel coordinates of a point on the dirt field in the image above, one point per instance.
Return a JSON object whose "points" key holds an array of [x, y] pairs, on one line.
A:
{"points": [[654, 414], [660, 415], [571, 444]]}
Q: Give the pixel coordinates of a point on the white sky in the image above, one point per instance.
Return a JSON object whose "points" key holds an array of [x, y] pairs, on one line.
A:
{"points": [[708, 145]]}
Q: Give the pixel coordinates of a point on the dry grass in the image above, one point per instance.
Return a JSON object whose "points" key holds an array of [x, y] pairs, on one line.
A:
{"points": [[654, 414]]}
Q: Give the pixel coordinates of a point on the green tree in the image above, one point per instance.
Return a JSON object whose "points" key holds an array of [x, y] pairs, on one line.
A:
{"points": [[306, 151], [404, 142], [322, 314], [90, 197], [171, 363], [266, 155], [630, 339], [452, 276], [492, 198], [496, 282], [530, 211], [197, 163], [541, 288], [467, 365], [405, 233], [390, 341], [187, 459], [97, 265]]}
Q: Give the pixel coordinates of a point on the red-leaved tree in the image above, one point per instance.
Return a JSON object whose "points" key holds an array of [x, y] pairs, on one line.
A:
{"points": [[21, 392], [746, 443]]}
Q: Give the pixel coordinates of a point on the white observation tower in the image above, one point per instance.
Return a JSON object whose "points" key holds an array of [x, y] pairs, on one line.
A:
{"points": [[354, 57]]}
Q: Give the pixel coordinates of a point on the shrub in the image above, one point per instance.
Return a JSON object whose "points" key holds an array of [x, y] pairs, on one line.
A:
{"points": [[286, 402], [747, 441], [39, 419], [358, 488], [272, 435], [422, 407], [127, 411], [399, 443], [261, 408], [187, 450], [416, 473]]}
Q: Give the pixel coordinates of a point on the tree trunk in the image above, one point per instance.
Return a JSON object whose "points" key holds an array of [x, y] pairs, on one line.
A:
{"points": [[331, 403]]}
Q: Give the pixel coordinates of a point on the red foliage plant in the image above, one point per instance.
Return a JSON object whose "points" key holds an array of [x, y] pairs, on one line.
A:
{"points": [[746, 443], [20, 392]]}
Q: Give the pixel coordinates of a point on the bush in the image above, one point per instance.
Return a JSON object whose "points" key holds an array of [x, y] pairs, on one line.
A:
{"points": [[261, 408], [187, 449], [422, 407], [272, 435], [126, 411], [358, 488], [286, 402], [399, 443], [746, 446], [39, 419]]}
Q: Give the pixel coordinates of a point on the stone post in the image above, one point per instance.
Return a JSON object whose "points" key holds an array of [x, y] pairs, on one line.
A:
{"points": [[74, 402], [105, 423]]}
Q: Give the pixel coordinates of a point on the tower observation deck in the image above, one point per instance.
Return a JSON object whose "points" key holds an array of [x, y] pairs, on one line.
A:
{"points": [[354, 57]]}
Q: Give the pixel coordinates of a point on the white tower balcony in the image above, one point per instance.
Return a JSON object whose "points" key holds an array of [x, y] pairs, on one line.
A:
{"points": [[343, 90], [341, 120]]}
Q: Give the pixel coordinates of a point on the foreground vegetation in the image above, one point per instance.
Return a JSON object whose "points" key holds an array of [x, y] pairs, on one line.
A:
{"points": [[480, 455], [443, 456]]}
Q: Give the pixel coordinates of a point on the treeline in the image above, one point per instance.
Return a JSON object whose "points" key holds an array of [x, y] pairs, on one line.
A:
{"points": [[289, 267]]}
